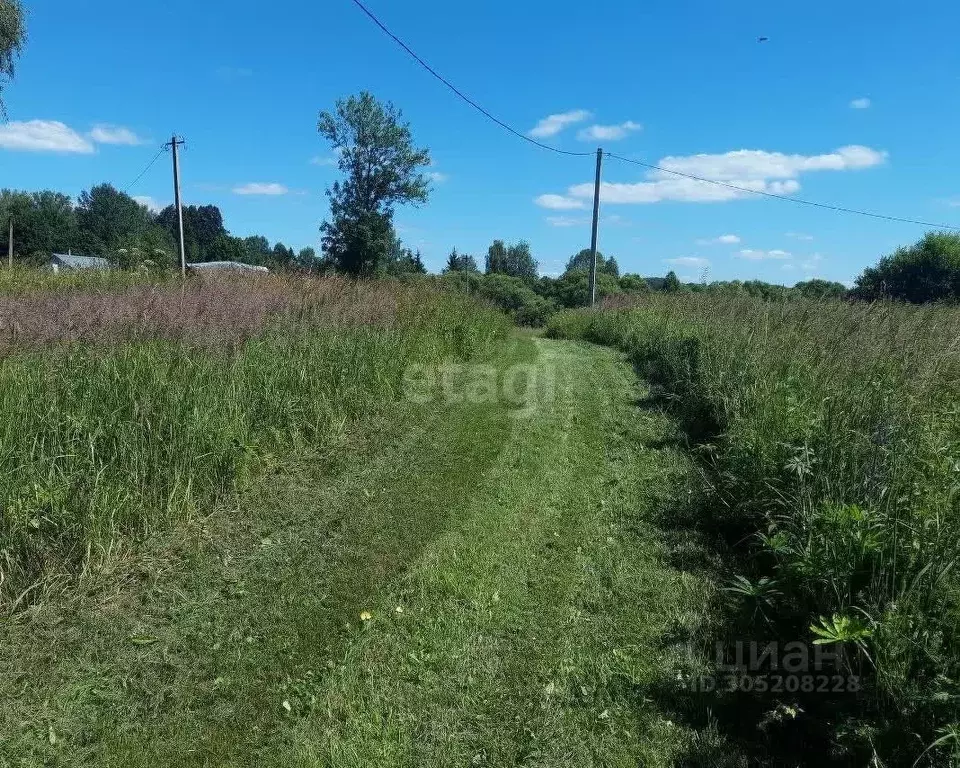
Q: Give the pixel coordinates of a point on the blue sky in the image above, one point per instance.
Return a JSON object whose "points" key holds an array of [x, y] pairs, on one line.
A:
{"points": [[853, 103]]}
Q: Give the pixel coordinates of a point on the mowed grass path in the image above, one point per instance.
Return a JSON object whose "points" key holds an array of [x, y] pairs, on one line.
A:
{"points": [[510, 560]]}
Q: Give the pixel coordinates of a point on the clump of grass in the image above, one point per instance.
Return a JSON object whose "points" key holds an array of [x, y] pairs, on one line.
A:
{"points": [[131, 410], [833, 435]]}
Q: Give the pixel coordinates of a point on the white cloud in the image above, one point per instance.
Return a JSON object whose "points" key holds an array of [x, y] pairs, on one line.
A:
{"points": [[261, 188], [553, 124], [152, 204], [609, 132], [746, 170], [683, 190], [115, 134], [722, 240], [862, 103], [953, 203], [800, 236], [754, 255], [566, 221], [43, 136], [559, 202], [758, 164], [688, 261], [323, 160], [437, 177]]}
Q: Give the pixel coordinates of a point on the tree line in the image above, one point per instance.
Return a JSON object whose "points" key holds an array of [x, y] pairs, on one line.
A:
{"points": [[109, 223], [510, 279]]}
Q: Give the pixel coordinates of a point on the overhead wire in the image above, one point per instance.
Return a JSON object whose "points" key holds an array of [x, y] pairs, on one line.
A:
{"points": [[650, 166], [764, 193], [144, 171], [460, 93]]}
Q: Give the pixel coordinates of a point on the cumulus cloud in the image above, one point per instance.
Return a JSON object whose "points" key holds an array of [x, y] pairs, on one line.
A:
{"points": [[115, 134], [609, 132], [150, 203], [559, 202], [318, 160], [437, 177], [683, 190], [754, 255], [757, 164], [261, 188], [43, 136], [862, 103], [722, 240], [553, 124], [688, 261], [745, 170]]}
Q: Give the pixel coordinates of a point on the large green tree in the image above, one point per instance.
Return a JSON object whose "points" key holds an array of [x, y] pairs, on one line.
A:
{"points": [[671, 283], [581, 263], [514, 260], [460, 262], [13, 35], [203, 231], [44, 223], [926, 271], [109, 219], [382, 169]]}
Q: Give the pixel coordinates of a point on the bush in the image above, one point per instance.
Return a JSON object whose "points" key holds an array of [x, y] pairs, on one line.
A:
{"points": [[926, 271], [511, 294], [833, 439]]}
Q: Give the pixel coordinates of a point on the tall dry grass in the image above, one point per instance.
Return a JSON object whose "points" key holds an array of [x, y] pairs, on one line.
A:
{"points": [[832, 432], [124, 410]]}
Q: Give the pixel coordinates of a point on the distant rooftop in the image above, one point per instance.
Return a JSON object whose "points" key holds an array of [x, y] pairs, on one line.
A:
{"points": [[236, 266], [69, 261]]}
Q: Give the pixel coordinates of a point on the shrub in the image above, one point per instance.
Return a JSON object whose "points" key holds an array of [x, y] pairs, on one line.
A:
{"points": [[833, 439], [926, 271]]}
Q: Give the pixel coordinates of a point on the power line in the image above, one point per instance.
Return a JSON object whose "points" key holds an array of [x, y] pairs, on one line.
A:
{"points": [[144, 171], [797, 200], [458, 92], [518, 134]]}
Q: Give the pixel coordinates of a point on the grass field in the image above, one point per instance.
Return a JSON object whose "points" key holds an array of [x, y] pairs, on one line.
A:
{"points": [[832, 438], [313, 522], [453, 580], [130, 407]]}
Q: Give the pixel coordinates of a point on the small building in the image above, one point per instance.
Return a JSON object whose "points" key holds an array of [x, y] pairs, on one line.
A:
{"points": [[225, 266], [67, 261]]}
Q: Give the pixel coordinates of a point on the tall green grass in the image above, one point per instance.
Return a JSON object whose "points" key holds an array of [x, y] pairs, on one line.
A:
{"points": [[175, 394], [832, 435]]}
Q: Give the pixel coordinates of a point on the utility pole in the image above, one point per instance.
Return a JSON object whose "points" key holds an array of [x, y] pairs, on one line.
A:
{"points": [[174, 144], [596, 224], [10, 246]]}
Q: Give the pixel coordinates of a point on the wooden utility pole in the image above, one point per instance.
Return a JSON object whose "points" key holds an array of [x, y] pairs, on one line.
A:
{"points": [[174, 144], [596, 223], [10, 246]]}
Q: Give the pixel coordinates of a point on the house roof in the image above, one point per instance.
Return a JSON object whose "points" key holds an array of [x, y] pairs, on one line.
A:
{"points": [[226, 265], [80, 262]]}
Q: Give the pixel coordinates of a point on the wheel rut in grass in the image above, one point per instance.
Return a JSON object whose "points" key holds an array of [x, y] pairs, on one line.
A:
{"points": [[508, 565]]}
